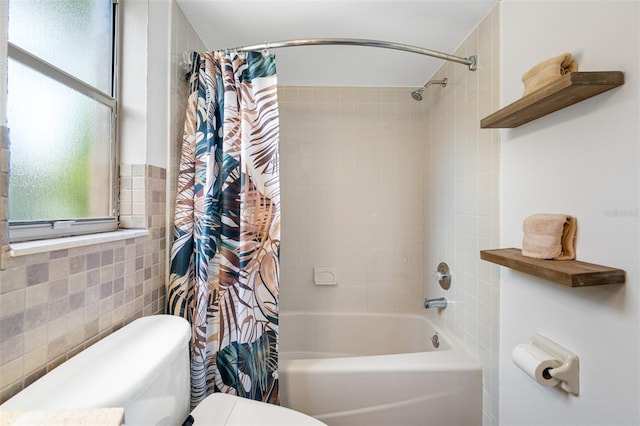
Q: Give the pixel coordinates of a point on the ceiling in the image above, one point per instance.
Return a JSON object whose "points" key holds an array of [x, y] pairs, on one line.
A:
{"points": [[440, 25]]}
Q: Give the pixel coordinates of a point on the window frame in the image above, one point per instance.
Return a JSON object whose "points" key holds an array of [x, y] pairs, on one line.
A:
{"points": [[20, 231]]}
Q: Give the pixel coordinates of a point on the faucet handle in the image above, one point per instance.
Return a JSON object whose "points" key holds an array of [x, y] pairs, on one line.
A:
{"points": [[443, 275], [439, 275]]}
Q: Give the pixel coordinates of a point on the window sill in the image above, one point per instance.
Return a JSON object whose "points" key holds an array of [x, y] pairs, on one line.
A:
{"points": [[43, 246]]}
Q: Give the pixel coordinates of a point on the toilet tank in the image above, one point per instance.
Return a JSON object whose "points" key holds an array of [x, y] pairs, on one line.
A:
{"points": [[143, 368]]}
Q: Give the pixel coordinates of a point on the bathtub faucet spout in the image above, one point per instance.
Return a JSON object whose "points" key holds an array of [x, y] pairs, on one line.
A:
{"points": [[440, 302]]}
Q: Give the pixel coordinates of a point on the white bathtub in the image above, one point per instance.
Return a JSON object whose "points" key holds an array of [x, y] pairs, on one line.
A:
{"points": [[376, 369]]}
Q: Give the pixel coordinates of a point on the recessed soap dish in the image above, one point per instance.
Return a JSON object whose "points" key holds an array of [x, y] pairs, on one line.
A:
{"points": [[325, 275]]}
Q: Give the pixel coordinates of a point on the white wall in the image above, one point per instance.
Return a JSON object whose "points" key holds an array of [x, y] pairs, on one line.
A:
{"points": [[462, 171], [582, 161], [159, 62], [145, 86], [133, 83]]}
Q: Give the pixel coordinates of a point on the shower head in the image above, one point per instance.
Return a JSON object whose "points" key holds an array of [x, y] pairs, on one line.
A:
{"points": [[417, 94]]}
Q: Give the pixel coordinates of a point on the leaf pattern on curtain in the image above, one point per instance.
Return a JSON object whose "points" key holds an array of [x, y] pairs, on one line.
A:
{"points": [[225, 256]]}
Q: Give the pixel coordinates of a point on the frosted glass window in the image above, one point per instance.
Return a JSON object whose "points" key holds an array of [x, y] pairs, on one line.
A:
{"points": [[73, 35], [60, 150], [61, 112]]}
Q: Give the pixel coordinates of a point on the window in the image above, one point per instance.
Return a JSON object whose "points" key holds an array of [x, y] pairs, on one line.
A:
{"points": [[61, 109]]}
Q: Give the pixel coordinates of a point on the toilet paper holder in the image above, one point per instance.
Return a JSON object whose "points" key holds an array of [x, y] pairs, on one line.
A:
{"points": [[569, 372]]}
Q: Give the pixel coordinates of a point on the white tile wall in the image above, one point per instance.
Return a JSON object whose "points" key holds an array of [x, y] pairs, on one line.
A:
{"points": [[384, 188], [462, 200], [351, 176]]}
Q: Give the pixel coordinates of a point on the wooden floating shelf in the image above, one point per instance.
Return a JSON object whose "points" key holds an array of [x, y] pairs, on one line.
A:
{"points": [[566, 90], [571, 273]]}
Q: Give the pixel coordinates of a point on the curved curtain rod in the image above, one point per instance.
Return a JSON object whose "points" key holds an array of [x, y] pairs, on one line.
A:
{"points": [[471, 61]]}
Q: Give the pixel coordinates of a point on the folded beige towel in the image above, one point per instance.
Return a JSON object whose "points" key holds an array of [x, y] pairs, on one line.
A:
{"points": [[547, 71], [549, 236]]}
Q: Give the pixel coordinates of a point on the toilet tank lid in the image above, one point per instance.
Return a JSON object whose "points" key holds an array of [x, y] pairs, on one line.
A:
{"points": [[112, 371]]}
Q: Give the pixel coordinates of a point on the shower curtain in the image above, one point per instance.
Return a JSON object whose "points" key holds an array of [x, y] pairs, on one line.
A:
{"points": [[225, 255]]}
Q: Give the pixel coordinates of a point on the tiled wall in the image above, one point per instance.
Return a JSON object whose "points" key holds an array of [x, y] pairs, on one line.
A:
{"points": [[383, 188], [462, 201], [54, 304], [352, 197], [142, 196]]}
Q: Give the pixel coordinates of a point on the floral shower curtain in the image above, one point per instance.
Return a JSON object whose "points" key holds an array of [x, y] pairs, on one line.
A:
{"points": [[225, 255]]}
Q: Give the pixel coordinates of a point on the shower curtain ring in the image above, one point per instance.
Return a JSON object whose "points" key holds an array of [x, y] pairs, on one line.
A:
{"points": [[265, 51]]}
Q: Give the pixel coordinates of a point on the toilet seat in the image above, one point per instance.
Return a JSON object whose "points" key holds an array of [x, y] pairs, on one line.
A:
{"points": [[220, 409]]}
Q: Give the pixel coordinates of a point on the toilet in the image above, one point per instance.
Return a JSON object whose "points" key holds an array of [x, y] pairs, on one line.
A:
{"points": [[144, 368]]}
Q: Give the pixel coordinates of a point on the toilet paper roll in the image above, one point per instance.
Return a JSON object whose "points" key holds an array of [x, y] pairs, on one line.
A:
{"points": [[536, 363]]}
